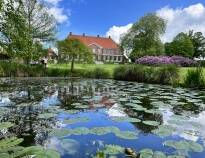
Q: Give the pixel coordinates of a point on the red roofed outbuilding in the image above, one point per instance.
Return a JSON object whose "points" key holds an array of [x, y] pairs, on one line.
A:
{"points": [[104, 49]]}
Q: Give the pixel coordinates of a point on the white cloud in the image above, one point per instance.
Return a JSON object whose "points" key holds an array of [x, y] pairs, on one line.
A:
{"points": [[182, 20], [116, 31], [60, 14], [53, 2]]}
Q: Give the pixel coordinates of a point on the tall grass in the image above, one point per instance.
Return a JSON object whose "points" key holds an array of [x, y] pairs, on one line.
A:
{"points": [[11, 69], [163, 75], [97, 73], [195, 78]]}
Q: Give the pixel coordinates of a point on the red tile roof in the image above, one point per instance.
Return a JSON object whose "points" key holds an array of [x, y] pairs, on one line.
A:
{"points": [[101, 41]]}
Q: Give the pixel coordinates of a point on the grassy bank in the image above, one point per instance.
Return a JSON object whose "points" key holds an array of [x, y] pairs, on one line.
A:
{"points": [[139, 73], [110, 68]]}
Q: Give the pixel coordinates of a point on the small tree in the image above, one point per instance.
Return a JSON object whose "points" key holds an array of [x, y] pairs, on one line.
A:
{"points": [[73, 50], [181, 45]]}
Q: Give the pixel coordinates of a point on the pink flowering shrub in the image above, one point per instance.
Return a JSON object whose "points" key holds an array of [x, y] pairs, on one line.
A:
{"points": [[166, 60]]}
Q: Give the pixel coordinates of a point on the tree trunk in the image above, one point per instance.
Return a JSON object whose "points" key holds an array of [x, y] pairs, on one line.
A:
{"points": [[72, 65]]}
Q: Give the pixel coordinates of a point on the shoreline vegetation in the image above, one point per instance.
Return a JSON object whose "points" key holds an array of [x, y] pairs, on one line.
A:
{"points": [[190, 77]]}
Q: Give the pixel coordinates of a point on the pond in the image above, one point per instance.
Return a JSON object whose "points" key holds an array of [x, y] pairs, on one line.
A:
{"points": [[78, 118]]}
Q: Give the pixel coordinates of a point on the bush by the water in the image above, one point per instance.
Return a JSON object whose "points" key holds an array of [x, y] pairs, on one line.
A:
{"points": [[97, 73], [163, 75], [11, 69], [195, 78], [166, 60]]}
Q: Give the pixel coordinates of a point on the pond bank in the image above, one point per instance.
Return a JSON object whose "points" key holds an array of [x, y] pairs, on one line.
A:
{"points": [[169, 75]]}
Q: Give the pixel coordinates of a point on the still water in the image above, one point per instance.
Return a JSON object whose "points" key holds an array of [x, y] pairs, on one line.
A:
{"points": [[89, 118]]}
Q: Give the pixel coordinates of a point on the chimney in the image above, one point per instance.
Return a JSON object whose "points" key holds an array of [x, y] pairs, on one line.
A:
{"points": [[98, 36], [83, 34], [70, 34]]}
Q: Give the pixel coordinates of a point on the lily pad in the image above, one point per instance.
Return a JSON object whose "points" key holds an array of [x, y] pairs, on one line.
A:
{"points": [[125, 119], [6, 125], [76, 120], [46, 115], [164, 131], [113, 150], [184, 145], [151, 123]]}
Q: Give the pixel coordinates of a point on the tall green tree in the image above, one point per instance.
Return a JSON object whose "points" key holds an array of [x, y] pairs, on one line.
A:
{"points": [[24, 25], [144, 36], [14, 33], [73, 50], [181, 45], [198, 41]]}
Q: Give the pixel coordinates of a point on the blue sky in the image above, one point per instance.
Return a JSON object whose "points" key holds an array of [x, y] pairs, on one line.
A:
{"points": [[99, 16]]}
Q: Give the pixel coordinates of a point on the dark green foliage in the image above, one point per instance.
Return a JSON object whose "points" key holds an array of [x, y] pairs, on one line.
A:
{"points": [[139, 73], [195, 78], [181, 45], [167, 74], [144, 37], [56, 72], [10, 69], [198, 41], [97, 73]]}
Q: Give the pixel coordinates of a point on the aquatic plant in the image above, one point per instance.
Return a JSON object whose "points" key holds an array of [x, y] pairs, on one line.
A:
{"points": [[151, 123], [9, 149], [184, 145], [164, 130], [95, 131]]}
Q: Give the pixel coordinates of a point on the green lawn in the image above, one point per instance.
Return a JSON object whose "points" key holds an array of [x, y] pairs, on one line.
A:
{"points": [[108, 67]]}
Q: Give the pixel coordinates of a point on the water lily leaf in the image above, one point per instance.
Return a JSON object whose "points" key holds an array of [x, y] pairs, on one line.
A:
{"points": [[113, 150], [151, 123], [47, 115], [72, 111], [6, 125], [159, 154], [125, 119], [126, 135], [60, 132], [146, 153], [76, 120], [80, 131], [184, 145], [10, 142], [152, 111], [164, 131], [138, 108], [40, 152]]}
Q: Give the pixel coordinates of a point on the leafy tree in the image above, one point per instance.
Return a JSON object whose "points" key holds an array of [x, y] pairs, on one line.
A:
{"points": [[24, 24], [41, 24], [181, 45], [198, 41], [73, 49], [144, 36], [14, 38]]}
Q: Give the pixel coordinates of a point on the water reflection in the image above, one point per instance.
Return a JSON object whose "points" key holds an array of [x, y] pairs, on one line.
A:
{"points": [[39, 106]]}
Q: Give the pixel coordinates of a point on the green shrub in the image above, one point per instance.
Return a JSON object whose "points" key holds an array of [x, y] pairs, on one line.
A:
{"points": [[97, 73], [167, 74], [56, 72], [163, 75], [195, 78]]}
